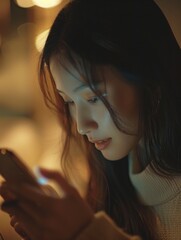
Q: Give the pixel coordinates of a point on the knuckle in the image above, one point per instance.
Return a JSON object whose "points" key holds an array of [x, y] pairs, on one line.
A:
{"points": [[13, 221]]}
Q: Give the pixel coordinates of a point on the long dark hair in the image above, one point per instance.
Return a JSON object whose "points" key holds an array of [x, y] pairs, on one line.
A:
{"points": [[135, 37]]}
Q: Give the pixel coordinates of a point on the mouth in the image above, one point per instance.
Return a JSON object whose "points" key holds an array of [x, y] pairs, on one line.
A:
{"points": [[102, 144]]}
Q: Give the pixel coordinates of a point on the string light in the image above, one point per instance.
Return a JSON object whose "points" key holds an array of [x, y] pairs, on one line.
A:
{"points": [[25, 28]]}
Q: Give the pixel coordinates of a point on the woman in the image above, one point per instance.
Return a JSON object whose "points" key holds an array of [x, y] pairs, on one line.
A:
{"points": [[115, 71]]}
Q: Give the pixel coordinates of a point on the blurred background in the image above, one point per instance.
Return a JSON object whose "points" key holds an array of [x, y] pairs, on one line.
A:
{"points": [[27, 126]]}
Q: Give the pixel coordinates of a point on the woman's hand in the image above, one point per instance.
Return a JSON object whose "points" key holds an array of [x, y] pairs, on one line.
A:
{"points": [[47, 217]]}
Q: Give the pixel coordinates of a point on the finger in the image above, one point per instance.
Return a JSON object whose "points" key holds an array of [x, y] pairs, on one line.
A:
{"points": [[23, 224], [9, 207], [50, 191], [19, 229], [33, 204], [29, 193], [16, 207], [25, 232], [56, 176], [38, 214], [5, 193], [14, 220]]}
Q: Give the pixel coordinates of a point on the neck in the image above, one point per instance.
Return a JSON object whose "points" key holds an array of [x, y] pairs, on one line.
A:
{"points": [[138, 158]]}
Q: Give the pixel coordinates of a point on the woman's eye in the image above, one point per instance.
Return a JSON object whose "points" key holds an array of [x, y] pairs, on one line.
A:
{"points": [[93, 99]]}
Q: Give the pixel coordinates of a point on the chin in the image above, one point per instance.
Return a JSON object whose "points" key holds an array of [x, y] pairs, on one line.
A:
{"points": [[114, 157]]}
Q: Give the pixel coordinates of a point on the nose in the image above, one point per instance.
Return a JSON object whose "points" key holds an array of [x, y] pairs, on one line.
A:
{"points": [[85, 121]]}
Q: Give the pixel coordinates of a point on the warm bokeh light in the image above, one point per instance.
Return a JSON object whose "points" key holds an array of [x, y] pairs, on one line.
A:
{"points": [[26, 28], [25, 3], [40, 40], [47, 3]]}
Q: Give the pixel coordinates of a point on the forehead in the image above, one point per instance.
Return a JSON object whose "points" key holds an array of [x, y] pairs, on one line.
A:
{"points": [[69, 76], [63, 67], [65, 75]]}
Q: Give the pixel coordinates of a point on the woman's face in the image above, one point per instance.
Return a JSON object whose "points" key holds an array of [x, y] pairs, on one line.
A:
{"points": [[90, 114]]}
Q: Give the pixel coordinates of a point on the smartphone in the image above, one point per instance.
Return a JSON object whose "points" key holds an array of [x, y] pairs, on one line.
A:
{"points": [[14, 170]]}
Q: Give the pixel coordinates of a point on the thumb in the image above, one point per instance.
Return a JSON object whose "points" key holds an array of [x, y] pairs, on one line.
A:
{"points": [[58, 178]]}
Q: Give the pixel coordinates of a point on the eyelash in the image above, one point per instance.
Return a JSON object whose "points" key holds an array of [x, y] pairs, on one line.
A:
{"points": [[92, 100]]}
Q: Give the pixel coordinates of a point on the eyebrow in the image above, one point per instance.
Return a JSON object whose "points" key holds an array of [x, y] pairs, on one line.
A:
{"points": [[81, 87]]}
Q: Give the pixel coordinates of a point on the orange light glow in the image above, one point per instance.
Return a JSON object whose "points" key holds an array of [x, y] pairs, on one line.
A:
{"points": [[40, 40], [47, 3], [25, 4]]}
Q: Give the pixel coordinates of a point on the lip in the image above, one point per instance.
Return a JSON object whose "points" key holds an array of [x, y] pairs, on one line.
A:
{"points": [[102, 144]]}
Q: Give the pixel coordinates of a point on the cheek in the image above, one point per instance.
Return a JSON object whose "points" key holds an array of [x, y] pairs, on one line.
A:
{"points": [[121, 148], [127, 102], [97, 112]]}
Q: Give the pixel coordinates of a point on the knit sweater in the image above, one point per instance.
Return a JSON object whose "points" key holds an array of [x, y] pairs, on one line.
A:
{"points": [[164, 196], [103, 228]]}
